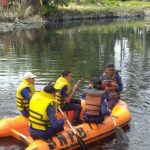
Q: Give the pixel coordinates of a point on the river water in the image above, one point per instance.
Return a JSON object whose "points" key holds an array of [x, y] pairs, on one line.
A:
{"points": [[84, 48]]}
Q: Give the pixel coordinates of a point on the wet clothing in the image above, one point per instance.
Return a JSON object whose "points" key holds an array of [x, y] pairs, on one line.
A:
{"points": [[24, 92], [43, 121], [112, 93]]}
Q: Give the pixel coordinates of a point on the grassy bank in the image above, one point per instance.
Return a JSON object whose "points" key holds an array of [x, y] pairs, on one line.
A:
{"points": [[132, 5], [88, 11], [75, 11]]}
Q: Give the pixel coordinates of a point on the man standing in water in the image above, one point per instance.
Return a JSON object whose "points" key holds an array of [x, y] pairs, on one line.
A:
{"points": [[112, 84], [24, 93], [65, 96]]}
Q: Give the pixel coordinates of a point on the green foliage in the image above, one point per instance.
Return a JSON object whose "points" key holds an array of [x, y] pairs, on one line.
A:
{"points": [[108, 2], [103, 2], [50, 5], [92, 1]]}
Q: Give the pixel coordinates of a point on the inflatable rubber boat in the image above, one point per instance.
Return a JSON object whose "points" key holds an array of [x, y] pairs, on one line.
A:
{"points": [[17, 127]]}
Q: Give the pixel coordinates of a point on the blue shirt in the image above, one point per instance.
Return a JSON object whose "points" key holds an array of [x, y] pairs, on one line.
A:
{"points": [[119, 82], [26, 93], [64, 92], [55, 123]]}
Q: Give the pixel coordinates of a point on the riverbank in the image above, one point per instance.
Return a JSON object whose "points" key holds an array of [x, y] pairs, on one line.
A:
{"points": [[123, 10], [119, 10]]}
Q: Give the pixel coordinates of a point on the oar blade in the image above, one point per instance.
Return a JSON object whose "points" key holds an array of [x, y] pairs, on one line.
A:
{"points": [[121, 136], [81, 142]]}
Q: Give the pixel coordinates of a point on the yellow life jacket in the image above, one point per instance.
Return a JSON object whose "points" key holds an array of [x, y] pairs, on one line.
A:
{"points": [[93, 101], [60, 83], [38, 118], [23, 104]]}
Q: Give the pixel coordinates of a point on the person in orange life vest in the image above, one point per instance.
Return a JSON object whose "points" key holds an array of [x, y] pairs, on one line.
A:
{"points": [[112, 84], [96, 102], [43, 123], [24, 93], [65, 96]]}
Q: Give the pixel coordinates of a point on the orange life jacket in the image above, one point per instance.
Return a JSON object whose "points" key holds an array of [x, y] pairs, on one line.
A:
{"points": [[93, 101], [109, 84]]}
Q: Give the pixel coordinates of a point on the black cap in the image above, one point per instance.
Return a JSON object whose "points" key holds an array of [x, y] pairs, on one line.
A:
{"points": [[110, 66], [95, 80], [50, 88]]}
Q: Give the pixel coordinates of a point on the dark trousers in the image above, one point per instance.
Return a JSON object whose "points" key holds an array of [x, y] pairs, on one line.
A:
{"points": [[113, 101], [74, 105], [25, 113]]}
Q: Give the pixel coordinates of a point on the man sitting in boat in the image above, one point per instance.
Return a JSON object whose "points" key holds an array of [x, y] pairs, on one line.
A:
{"points": [[96, 102], [112, 84], [43, 123], [65, 96], [24, 93]]}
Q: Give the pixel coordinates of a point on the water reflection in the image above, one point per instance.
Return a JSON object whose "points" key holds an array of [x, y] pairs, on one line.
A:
{"points": [[84, 48]]}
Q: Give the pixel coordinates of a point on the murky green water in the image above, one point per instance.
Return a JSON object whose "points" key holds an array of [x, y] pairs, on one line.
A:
{"points": [[85, 49]]}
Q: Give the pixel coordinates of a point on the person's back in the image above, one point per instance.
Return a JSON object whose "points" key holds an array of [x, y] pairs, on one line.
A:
{"points": [[112, 84], [24, 93], [96, 109], [42, 114]]}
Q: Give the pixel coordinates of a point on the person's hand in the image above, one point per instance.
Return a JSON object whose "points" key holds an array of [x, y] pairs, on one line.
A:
{"points": [[109, 111], [114, 85], [107, 88], [105, 101], [76, 87], [64, 117], [90, 85]]}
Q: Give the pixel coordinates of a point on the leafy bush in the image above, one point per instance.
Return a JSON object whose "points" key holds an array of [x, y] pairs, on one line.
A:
{"points": [[50, 5]]}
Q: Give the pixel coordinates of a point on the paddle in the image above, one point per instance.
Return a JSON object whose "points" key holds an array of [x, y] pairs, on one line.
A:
{"points": [[121, 136], [77, 84], [81, 142], [21, 136]]}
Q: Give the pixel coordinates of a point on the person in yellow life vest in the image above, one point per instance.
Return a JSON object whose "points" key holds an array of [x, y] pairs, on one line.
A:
{"points": [[24, 93], [96, 102], [65, 96], [43, 123], [112, 84]]}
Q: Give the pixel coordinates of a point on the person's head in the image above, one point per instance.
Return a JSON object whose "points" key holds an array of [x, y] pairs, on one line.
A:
{"points": [[110, 69], [96, 83], [67, 75], [30, 77], [50, 88]]}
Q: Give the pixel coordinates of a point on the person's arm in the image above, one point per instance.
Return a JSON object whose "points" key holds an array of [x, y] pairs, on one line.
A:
{"points": [[26, 94], [102, 82], [65, 96], [55, 123], [119, 82]]}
